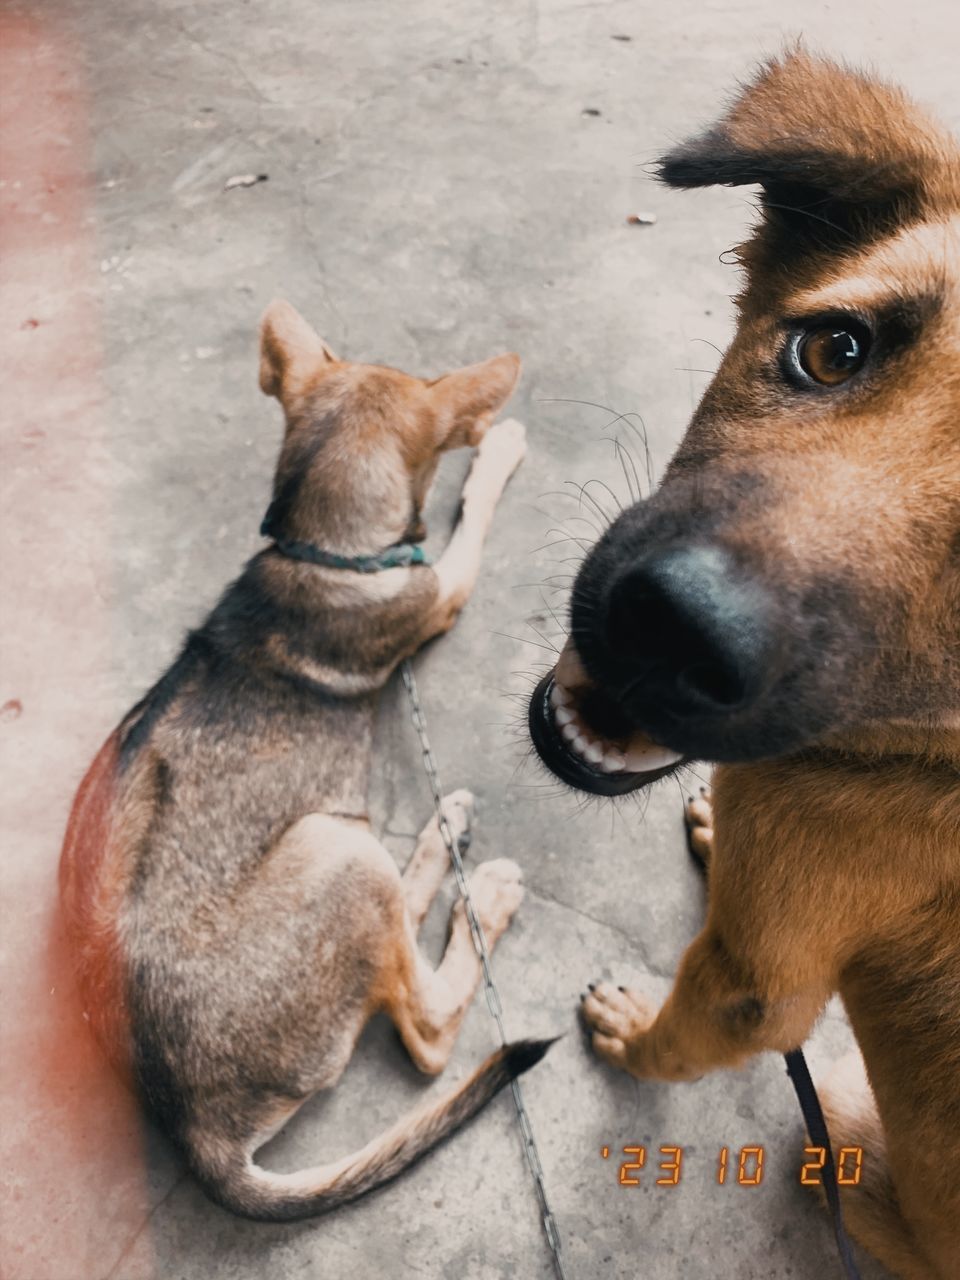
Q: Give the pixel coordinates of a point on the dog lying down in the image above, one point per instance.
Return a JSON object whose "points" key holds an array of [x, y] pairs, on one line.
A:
{"points": [[235, 920], [788, 604]]}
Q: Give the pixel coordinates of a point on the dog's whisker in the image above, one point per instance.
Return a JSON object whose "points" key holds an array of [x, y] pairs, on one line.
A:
{"points": [[584, 488], [550, 648], [525, 586], [808, 213], [562, 520], [632, 478], [560, 493], [559, 542], [553, 613], [585, 495], [708, 343], [585, 520], [548, 642]]}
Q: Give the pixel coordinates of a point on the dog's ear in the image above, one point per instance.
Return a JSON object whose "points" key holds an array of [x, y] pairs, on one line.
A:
{"points": [[817, 136], [467, 399], [290, 351]]}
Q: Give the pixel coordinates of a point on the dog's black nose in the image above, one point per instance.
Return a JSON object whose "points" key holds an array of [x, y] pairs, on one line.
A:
{"points": [[692, 628]]}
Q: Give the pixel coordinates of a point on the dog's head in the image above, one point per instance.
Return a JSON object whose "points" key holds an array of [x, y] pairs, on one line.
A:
{"points": [[362, 441], [796, 578]]}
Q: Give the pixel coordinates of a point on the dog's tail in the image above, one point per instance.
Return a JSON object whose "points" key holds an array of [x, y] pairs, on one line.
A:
{"points": [[229, 1176]]}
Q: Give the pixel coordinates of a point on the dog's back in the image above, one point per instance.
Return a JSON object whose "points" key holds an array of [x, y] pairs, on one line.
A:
{"points": [[232, 746], [235, 920]]}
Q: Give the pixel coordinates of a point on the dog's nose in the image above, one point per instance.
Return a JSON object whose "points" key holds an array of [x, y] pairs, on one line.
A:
{"points": [[692, 628]]}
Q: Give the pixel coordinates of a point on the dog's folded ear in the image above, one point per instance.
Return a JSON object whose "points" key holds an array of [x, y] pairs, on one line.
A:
{"points": [[290, 351], [468, 398], [813, 133]]}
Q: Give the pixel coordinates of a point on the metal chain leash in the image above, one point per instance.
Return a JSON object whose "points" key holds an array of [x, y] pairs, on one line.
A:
{"points": [[489, 986]]}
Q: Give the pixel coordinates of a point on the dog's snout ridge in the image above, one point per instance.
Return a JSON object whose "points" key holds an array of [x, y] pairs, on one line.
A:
{"points": [[694, 627]]}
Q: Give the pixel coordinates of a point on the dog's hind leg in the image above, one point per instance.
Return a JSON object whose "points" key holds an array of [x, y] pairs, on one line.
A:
{"points": [[430, 861], [322, 932], [871, 1209], [427, 1005]]}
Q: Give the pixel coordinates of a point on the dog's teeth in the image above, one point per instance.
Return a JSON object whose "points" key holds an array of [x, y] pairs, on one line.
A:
{"points": [[569, 732], [579, 744], [646, 759], [593, 753], [563, 715], [612, 761], [559, 696]]}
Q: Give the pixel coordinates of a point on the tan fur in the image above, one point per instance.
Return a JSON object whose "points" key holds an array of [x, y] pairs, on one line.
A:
{"points": [[837, 867]]}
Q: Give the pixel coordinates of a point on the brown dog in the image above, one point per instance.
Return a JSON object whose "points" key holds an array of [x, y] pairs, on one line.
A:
{"points": [[788, 604], [236, 921]]}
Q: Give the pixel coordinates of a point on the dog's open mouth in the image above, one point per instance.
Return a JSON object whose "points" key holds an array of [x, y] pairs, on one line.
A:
{"points": [[581, 736]]}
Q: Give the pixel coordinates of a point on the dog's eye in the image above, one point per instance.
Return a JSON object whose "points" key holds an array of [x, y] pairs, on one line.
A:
{"points": [[831, 354]]}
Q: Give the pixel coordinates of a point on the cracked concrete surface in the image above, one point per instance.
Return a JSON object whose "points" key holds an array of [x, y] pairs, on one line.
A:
{"points": [[436, 193]]}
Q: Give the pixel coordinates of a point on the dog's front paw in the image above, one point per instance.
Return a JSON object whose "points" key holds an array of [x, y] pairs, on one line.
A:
{"points": [[698, 812], [617, 1018], [502, 449], [508, 438], [497, 890]]}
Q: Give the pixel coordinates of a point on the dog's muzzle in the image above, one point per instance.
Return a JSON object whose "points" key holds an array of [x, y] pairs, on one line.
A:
{"points": [[573, 747], [674, 654]]}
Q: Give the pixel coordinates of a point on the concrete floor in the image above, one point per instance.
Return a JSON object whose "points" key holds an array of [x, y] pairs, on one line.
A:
{"points": [[437, 191]]}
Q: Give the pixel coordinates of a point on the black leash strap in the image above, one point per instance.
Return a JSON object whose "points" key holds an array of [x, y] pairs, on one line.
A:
{"points": [[799, 1073]]}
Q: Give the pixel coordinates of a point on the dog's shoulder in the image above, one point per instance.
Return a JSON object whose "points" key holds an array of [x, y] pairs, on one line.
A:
{"points": [[284, 638], [331, 630]]}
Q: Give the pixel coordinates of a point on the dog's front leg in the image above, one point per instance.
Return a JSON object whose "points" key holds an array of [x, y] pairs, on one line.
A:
{"points": [[500, 453], [712, 1018]]}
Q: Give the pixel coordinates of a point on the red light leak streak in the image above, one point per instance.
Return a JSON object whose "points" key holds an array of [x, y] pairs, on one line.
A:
{"points": [[73, 1180]]}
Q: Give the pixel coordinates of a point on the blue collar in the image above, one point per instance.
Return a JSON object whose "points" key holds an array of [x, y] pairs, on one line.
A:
{"points": [[398, 556]]}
